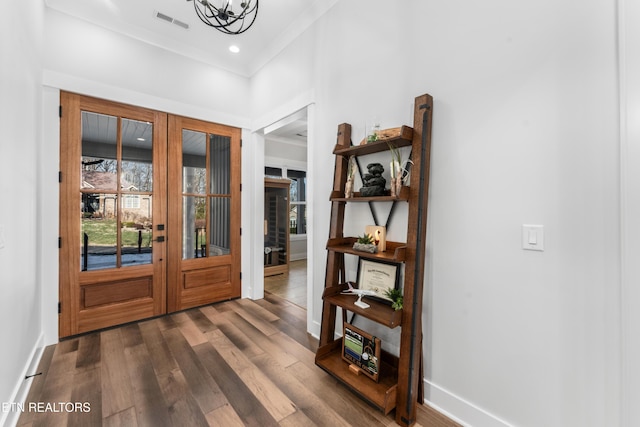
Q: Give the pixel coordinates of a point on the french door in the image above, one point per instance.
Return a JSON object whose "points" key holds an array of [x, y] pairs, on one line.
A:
{"points": [[146, 221], [204, 209]]}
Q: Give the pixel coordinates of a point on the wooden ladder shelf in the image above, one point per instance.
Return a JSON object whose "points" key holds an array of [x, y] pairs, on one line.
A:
{"points": [[400, 383]]}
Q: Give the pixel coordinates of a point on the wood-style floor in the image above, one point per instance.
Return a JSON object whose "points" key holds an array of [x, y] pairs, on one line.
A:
{"points": [[291, 286], [236, 363]]}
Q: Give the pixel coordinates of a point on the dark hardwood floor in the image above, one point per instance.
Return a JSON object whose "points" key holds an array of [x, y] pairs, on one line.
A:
{"points": [[236, 363]]}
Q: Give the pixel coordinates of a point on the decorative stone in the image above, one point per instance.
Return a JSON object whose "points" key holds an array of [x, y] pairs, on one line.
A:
{"points": [[363, 247], [373, 183]]}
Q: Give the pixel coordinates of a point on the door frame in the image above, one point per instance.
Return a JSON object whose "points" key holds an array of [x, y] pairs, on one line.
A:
{"points": [[314, 293]]}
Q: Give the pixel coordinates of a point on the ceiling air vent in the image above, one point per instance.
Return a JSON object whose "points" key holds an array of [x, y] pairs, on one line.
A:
{"points": [[181, 24], [168, 18]]}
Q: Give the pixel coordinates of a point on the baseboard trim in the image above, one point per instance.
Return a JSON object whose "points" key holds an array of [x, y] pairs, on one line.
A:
{"points": [[458, 409], [21, 389], [315, 330]]}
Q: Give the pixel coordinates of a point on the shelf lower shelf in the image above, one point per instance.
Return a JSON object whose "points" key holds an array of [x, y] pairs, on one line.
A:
{"points": [[381, 394]]}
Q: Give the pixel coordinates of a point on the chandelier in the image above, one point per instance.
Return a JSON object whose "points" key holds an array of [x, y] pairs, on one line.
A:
{"points": [[221, 15]]}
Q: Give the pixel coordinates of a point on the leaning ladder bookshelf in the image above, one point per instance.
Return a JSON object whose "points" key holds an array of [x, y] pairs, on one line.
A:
{"points": [[400, 385]]}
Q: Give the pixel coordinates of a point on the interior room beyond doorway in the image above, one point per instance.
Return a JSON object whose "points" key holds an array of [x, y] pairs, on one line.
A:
{"points": [[286, 158]]}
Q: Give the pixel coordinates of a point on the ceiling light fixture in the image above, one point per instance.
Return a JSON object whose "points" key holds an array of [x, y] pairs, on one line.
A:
{"points": [[220, 15], [234, 49]]}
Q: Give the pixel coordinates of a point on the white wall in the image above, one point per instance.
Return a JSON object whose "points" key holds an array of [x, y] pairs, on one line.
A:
{"points": [[105, 64], [525, 131], [281, 154], [630, 159], [20, 124]]}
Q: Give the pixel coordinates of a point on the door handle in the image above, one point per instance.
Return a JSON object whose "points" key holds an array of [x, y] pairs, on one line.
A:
{"points": [[159, 239]]}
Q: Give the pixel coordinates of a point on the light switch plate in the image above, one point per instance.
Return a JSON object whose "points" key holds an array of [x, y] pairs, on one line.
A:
{"points": [[533, 237]]}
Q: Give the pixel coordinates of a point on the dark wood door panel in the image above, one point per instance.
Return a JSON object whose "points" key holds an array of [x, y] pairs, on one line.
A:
{"points": [[115, 314], [103, 294]]}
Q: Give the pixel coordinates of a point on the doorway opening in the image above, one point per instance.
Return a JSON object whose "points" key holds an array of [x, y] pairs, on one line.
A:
{"points": [[285, 264]]}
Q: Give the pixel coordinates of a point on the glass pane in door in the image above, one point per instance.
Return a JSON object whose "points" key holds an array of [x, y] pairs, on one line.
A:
{"points": [[219, 226], [219, 164], [98, 246], [194, 162], [194, 231], [206, 188], [136, 239], [136, 207], [194, 209], [137, 156], [98, 187], [99, 164]]}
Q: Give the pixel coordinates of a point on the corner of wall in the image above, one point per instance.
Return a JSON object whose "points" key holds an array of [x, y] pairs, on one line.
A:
{"points": [[48, 213], [23, 384]]}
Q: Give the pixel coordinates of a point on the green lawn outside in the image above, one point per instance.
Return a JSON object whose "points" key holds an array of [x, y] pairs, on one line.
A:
{"points": [[102, 232]]}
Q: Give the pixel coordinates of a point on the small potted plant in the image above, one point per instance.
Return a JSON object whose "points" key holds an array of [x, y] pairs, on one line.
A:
{"points": [[365, 243], [395, 295]]}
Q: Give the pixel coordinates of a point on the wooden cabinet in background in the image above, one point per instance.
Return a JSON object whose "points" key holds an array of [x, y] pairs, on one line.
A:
{"points": [[276, 226]]}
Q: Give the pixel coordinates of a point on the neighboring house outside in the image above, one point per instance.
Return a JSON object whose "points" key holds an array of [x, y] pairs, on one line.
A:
{"points": [[102, 203]]}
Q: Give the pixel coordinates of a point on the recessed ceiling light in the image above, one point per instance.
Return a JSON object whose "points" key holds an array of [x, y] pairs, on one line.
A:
{"points": [[234, 49]]}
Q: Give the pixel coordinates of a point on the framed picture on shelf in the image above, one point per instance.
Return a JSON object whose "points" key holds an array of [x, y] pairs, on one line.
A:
{"points": [[378, 276], [362, 350]]}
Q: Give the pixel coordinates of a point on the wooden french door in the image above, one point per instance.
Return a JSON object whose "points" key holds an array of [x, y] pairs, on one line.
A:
{"points": [[204, 190], [117, 233]]}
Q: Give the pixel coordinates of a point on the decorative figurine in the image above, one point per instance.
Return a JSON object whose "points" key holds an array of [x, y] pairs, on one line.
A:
{"points": [[351, 172], [373, 182]]}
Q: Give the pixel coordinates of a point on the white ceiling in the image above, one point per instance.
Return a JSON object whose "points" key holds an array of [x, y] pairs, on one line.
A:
{"points": [[290, 130], [277, 24]]}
